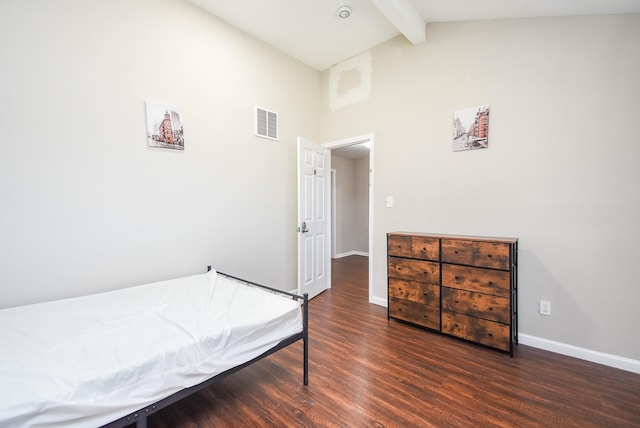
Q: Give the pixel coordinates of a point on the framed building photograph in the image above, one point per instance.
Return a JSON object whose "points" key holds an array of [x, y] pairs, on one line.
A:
{"points": [[164, 126], [471, 128]]}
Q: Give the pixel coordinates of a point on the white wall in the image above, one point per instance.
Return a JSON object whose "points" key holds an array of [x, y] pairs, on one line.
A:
{"points": [[86, 205], [352, 209], [561, 171]]}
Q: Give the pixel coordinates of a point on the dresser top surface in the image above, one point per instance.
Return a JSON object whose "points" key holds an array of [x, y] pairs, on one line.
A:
{"points": [[447, 236]]}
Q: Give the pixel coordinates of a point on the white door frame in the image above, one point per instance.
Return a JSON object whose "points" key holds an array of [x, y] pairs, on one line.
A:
{"points": [[333, 176], [368, 138]]}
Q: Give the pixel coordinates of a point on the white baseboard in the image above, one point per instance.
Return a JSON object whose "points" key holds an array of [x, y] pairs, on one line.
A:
{"points": [[610, 360], [352, 253], [378, 301]]}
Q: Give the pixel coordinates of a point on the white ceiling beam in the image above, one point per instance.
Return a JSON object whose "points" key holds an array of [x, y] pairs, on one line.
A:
{"points": [[406, 19]]}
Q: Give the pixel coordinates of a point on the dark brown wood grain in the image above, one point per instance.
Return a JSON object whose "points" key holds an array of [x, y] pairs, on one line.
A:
{"points": [[417, 270], [420, 292], [417, 313], [399, 246], [425, 248], [481, 280], [489, 333], [476, 253], [366, 371], [420, 247], [479, 305]]}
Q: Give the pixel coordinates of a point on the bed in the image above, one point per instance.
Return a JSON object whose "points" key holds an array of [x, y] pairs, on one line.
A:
{"points": [[114, 358]]}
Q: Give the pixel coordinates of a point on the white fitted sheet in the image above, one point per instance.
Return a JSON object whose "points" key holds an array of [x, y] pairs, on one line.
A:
{"points": [[90, 360]]}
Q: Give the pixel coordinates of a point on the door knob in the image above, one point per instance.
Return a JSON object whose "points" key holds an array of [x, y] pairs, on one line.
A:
{"points": [[305, 229]]}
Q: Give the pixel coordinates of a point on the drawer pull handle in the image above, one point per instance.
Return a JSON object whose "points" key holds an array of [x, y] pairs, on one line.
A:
{"points": [[399, 288], [424, 248], [426, 316], [490, 308], [457, 301], [490, 282], [455, 251], [424, 272], [425, 294], [456, 277], [456, 325], [489, 255], [490, 334]]}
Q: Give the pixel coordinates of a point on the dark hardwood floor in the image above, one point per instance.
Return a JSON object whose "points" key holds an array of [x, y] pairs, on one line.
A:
{"points": [[368, 372]]}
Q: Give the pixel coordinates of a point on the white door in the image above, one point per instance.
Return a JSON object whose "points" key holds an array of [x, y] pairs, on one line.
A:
{"points": [[314, 163]]}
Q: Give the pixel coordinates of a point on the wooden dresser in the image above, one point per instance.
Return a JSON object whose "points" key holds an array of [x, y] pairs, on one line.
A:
{"points": [[463, 286]]}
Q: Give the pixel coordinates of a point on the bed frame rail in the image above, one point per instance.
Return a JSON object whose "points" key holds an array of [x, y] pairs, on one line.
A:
{"points": [[140, 417]]}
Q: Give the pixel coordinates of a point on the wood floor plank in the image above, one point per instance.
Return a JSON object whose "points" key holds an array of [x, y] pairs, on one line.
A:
{"points": [[366, 371]]}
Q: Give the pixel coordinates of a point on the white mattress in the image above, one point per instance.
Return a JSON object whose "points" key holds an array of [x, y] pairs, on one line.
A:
{"points": [[90, 360]]}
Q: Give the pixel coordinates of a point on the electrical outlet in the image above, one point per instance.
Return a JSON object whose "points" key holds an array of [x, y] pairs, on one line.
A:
{"points": [[545, 307]]}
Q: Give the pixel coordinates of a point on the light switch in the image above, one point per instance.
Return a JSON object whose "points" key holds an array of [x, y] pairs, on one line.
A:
{"points": [[389, 201]]}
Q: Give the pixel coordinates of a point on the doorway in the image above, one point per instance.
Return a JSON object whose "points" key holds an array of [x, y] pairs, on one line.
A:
{"points": [[360, 150]]}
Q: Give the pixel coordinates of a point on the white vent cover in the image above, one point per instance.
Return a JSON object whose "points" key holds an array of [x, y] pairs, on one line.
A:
{"points": [[266, 123]]}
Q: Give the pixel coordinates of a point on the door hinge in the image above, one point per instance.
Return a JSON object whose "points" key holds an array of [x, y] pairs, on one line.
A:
{"points": [[315, 172]]}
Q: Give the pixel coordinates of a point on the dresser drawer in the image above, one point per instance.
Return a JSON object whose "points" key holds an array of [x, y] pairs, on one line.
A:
{"points": [[479, 305], [417, 247], [416, 313], [419, 292], [399, 246], [480, 280], [417, 270], [488, 333], [477, 253]]}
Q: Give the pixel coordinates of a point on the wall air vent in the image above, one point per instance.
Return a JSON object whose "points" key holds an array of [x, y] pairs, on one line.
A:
{"points": [[266, 123]]}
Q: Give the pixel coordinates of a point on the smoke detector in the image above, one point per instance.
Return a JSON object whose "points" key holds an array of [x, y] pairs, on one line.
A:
{"points": [[344, 12]]}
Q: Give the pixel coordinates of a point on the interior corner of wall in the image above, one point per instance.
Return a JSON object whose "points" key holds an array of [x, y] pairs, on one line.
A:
{"points": [[340, 96]]}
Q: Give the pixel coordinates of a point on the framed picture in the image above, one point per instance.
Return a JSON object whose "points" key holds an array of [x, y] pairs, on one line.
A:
{"points": [[164, 126], [471, 128]]}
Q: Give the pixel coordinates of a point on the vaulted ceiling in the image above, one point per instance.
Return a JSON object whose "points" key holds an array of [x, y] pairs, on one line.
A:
{"points": [[312, 31]]}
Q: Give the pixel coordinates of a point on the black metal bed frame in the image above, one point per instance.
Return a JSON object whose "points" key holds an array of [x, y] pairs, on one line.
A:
{"points": [[139, 417]]}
